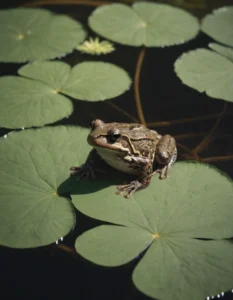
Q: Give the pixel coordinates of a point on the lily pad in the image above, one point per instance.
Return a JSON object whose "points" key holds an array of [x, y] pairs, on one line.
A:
{"points": [[182, 268], [37, 97], [29, 34], [222, 50], [219, 25], [96, 81], [33, 165], [26, 103], [207, 71], [167, 217], [149, 24], [114, 245]]}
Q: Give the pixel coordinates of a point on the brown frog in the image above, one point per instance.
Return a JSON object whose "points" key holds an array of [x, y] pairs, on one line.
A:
{"points": [[130, 148]]}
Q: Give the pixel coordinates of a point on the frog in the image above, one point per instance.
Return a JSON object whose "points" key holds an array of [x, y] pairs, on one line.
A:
{"points": [[130, 148]]}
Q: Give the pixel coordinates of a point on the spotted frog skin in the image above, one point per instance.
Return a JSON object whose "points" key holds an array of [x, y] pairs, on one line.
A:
{"points": [[130, 148]]}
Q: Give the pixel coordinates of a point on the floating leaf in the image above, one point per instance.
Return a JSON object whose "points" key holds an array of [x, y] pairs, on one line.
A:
{"points": [[33, 165], [166, 206], [96, 81], [36, 98], [224, 51], [194, 202], [149, 24], [113, 245], [182, 268], [219, 25], [54, 74], [207, 71], [29, 34], [26, 103]]}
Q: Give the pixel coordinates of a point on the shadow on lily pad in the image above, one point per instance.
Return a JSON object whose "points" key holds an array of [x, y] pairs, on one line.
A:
{"points": [[74, 186]]}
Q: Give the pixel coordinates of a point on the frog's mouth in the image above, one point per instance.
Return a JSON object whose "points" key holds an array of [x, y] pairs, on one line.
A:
{"points": [[103, 142]]}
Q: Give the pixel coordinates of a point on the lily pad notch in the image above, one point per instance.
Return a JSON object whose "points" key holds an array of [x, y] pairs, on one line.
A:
{"points": [[38, 96], [29, 34], [167, 219], [145, 24]]}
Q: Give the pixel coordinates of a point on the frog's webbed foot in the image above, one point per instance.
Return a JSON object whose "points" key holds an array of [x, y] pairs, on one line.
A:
{"points": [[129, 188], [85, 171]]}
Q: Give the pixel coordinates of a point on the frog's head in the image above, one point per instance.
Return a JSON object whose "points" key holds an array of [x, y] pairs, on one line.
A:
{"points": [[108, 136]]}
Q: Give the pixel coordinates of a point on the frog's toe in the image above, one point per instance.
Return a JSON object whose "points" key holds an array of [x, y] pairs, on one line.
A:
{"points": [[163, 173], [130, 188]]}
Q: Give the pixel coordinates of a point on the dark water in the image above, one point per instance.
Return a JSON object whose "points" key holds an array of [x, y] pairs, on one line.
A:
{"points": [[52, 273]]}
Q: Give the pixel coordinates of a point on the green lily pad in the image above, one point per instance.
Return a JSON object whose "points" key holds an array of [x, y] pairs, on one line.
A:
{"points": [[149, 24], [222, 50], [26, 103], [106, 239], [207, 71], [33, 165], [29, 34], [219, 25], [37, 97], [166, 206], [194, 202], [53, 74], [94, 81], [182, 268]]}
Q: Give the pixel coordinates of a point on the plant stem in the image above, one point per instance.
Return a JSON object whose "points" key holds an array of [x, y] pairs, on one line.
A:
{"points": [[64, 248], [123, 112], [67, 2], [217, 158], [221, 135], [189, 151], [204, 143], [186, 120], [181, 137], [136, 86]]}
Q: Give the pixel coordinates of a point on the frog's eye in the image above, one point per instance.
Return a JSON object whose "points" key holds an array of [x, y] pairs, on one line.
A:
{"points": [[115, 135]]}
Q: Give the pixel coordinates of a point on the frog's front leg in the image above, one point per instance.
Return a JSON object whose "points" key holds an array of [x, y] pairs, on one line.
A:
{"points": [[144, 167], [164, 171], [166, 154], [87, 170]]}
